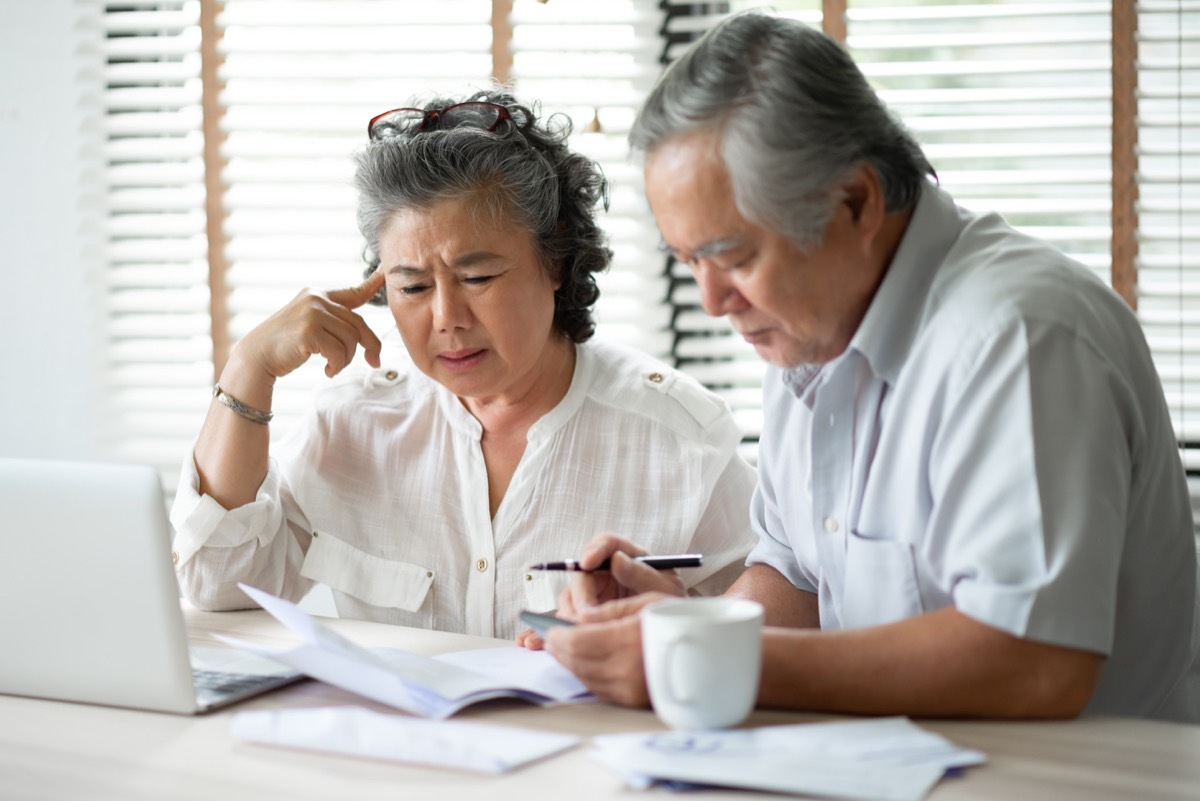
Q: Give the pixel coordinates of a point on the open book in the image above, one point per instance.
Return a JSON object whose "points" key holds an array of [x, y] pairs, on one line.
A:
{"points": [[432, 687]]}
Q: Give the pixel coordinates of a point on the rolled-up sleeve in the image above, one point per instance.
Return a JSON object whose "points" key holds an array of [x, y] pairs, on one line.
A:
{"points": [[769, 549], [782, 472], [215, 548]]}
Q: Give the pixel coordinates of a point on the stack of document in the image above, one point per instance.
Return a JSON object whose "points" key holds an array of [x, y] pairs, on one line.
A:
{"points": [[432, 687], [888, 759]]}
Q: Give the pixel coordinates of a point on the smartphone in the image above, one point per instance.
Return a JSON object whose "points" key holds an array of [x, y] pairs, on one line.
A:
{"points": [[541, 623]]}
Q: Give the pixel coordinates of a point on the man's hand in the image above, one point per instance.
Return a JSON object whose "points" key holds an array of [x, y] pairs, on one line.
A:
{"points": [[605, 650], [587, 597], [625, 577]]}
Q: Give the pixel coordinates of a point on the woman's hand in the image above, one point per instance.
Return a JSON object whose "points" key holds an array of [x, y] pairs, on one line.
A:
{"points": [[313, 323], [231, 452]]}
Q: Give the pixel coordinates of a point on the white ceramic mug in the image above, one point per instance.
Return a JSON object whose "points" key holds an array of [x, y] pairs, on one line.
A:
{"points": [[703, 657]]}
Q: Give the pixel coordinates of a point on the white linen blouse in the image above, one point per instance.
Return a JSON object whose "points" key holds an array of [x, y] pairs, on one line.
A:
{"points": [[382, 494]]}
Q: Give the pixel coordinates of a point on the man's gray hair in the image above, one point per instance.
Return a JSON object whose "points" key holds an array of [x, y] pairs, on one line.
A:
{"points": [[795, 117], [521, 173]]}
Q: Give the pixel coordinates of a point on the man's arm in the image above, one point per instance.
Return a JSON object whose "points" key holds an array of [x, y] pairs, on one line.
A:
{"points": [[783, 604], [939, 664]]}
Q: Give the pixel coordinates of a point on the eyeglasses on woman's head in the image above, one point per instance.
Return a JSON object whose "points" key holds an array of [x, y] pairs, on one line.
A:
{"points": [[410, 121]]}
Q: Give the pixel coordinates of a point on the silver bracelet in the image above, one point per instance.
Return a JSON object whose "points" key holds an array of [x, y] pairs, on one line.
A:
{"points": [[253, 415]]}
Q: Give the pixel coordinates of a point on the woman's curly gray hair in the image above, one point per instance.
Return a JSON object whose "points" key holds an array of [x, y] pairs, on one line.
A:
{"points": [[522, 172]]}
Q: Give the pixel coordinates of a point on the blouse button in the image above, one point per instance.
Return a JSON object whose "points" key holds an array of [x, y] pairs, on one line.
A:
{"points": [[831, 525], [481, 565], [175, 557], [391, 375], [656, 378], [529, 577]]}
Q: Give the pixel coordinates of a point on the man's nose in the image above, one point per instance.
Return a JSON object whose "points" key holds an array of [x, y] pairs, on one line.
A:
{"points": [[718, 295]]}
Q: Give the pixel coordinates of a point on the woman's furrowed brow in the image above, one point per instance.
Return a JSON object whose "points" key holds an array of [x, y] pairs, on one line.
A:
{"points": [[465, 260], [474, 257]]}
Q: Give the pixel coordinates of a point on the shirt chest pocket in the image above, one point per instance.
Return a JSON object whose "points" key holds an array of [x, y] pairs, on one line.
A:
{"points": [[371, 579], [880, 582], [542, 589]]}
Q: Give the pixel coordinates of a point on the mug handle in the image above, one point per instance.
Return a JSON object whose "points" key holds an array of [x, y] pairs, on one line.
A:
{"points": [[686, 694]]}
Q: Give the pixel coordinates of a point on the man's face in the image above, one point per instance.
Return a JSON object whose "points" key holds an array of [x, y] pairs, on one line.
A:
{"points": [[794, 306]]}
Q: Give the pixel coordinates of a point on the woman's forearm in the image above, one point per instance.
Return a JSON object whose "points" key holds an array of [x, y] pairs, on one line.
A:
{"points": [[231, 450]]}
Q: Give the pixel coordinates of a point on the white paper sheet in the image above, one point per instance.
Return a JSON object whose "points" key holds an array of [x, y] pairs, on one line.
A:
{"points": [[888, 759], [357, 732], [433, 687]]}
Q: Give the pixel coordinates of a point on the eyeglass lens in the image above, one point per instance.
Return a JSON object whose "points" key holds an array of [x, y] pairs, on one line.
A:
{"points": [[413, 120], [476, 115]]}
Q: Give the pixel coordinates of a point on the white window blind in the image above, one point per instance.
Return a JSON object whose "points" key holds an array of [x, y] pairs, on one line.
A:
{"points": [[301, 80], [595, 62], [297, 82], [152, 321], [1168, 116], [1011, 101]]}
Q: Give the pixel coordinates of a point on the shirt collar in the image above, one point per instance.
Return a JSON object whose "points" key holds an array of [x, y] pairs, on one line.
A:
{"points": [[895, 315], [805, 380]]}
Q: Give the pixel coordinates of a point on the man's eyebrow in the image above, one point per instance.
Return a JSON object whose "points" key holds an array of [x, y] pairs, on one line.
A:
{"points": [[706, 250], [717, 246]]}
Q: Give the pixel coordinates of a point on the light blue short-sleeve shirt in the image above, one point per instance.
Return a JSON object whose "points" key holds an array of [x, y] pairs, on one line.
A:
{"points": [[994, 438]]}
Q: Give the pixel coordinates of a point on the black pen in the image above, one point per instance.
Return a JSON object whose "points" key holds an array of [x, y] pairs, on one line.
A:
{"points": [[656, 562]]}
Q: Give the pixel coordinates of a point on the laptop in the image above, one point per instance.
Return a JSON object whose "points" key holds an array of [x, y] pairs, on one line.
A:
{"points": [[89, 604]]}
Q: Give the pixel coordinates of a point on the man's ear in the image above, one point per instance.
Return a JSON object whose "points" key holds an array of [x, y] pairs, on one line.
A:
{"points": [[863, 197]]}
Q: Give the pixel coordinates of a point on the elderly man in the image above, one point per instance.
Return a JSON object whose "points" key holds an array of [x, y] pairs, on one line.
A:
{"points": [[970, 499]]}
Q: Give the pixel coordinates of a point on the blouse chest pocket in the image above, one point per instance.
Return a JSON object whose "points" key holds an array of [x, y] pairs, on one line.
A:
{"points": [[881, 583], [371, 579], [542, 589]]}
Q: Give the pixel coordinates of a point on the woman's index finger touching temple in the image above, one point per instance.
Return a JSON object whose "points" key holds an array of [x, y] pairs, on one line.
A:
{"points": [[353, 297]]}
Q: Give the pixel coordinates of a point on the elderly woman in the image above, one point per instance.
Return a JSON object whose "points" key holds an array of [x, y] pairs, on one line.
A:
{"points": [[423, 496]]}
